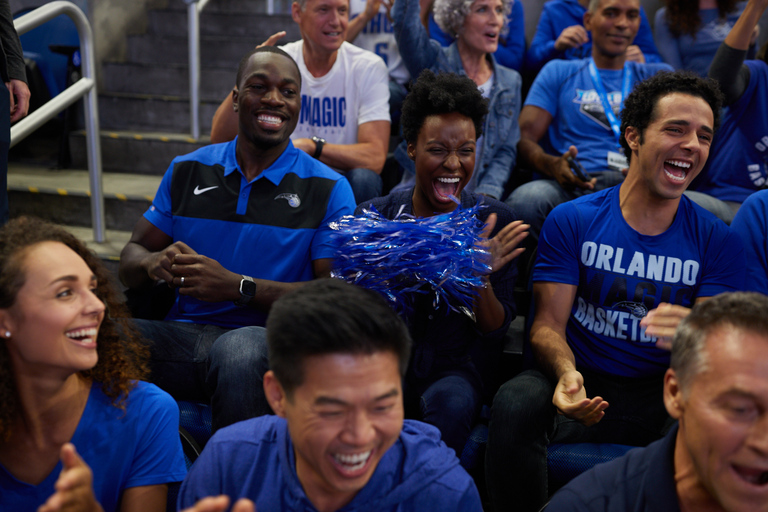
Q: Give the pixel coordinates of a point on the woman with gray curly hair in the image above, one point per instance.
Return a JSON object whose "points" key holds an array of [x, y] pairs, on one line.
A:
{"points": [[477, 26]]}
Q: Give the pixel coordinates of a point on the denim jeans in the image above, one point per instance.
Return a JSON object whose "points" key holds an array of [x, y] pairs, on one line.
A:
{"points": [[210, 364], [365, 184], [533, 201], [449, 400], [723, 210], [524, 421]]}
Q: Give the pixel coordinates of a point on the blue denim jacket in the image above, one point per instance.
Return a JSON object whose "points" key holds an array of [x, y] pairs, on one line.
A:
{"points": [[501, 131]]}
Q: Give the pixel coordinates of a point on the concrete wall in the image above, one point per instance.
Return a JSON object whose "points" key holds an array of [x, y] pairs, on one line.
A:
{"points": [[111, 21]]}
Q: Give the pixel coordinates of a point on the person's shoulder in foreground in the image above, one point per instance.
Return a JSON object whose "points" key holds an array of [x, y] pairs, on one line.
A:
{"points": [[253, 459], [643, 479]]}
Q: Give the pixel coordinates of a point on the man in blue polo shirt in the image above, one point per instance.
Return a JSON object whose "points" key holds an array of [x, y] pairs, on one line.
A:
{"points": [[716, 458], [616, 271], [233, 227]]}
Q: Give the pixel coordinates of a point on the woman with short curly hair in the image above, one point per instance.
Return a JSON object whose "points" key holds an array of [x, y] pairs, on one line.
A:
{"points": [[477, 26], [78, 430]]}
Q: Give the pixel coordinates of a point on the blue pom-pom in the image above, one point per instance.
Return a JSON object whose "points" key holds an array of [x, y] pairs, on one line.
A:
{"points": [[405, 256]]}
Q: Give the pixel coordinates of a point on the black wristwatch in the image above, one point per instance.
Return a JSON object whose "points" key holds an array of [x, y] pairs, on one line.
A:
{"points": [[247, 291], [319, 143]]}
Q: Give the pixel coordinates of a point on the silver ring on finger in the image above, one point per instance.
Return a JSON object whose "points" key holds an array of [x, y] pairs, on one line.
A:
{"points": [[182, 280]]}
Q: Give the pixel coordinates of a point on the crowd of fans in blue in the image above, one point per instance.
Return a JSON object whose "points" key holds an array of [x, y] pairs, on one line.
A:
{"points": [[634, 171]]}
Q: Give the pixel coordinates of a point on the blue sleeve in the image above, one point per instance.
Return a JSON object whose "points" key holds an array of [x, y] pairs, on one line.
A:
{"points": [[203, 479], [725, 264], [158, 458], [436, 33], [545, 88], [418, 51], [160, 214], [542, 48], [341, 202], [511, 51], [557, 260], [751, 224], [668, 45], [644, 39]]}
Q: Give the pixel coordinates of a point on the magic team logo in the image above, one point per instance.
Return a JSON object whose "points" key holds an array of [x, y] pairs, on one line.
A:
{"points": [[717, 29], [636, 309], [590, 105], [758, 173], [293, 199]]}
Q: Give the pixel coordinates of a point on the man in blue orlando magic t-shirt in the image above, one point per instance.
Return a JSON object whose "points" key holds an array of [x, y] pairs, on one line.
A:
{"points": [[617, 270]]}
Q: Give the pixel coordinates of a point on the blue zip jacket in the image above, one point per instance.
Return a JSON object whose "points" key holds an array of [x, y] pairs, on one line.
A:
{"points": [[255, 459]]}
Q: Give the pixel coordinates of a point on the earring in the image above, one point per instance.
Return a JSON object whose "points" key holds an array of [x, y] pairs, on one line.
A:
{"points": [[7, 334]]}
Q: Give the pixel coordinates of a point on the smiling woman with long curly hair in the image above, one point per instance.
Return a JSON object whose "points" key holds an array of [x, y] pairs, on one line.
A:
{"points": [[77, 426]]}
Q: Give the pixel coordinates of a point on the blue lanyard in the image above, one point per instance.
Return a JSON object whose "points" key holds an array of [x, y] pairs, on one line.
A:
{"points": [[625, 90]]}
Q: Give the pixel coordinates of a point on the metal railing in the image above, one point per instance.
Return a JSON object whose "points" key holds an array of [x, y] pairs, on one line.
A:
{"points": [[85, 87], [194, 8]]}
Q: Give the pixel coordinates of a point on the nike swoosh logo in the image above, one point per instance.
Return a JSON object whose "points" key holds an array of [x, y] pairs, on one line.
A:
{"points": [[199, 190]]}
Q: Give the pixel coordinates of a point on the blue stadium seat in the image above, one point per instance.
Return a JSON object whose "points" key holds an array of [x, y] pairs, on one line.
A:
{"points": [[60, 31], [566, 461]]}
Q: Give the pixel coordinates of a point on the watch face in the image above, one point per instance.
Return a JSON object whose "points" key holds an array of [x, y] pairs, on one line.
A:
{"points": [[248, 288]]}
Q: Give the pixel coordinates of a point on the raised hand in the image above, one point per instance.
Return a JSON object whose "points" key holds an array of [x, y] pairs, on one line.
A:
{"points": [[74, 488]]}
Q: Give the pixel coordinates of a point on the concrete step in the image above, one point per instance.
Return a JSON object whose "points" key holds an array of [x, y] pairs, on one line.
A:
{"points": [[257, 26], [153, 113], [215, 52], [135, 152], [63, 197], [166, 79], [108, 250]]}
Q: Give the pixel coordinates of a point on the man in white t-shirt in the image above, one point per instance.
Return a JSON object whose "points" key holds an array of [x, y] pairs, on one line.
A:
{"points": [[370, 28], [344, 120]]}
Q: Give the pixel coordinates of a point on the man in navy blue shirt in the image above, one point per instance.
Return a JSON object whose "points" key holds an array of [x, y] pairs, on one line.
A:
{"points": [[716, 459]]}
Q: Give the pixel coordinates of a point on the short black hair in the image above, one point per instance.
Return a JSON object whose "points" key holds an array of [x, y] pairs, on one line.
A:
{"points": [[261, 49], [330, 316], [640, 106], [442, 93]]}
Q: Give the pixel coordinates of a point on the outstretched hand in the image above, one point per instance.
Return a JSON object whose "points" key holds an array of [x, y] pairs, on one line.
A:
{"points": [[503, 246], [74, 488], [662, 323], [220, 504], [571, 400]]}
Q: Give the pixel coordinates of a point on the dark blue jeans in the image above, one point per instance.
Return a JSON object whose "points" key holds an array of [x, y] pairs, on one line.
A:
{"points": [[449, 400], [365, 184], [210, 364], [524, 422]]}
